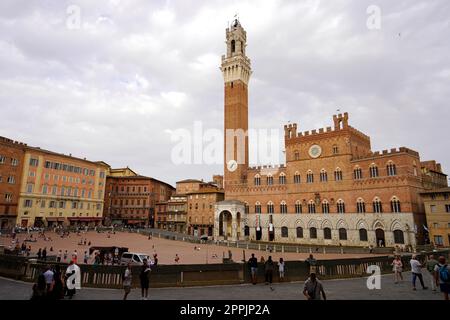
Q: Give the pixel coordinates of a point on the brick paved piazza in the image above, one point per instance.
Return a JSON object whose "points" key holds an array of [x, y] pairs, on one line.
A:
{"points": [[348, 289], [166, 249]]}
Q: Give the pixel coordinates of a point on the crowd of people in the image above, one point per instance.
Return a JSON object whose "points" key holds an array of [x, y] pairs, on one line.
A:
{"points": [[436, 270], [53, 284]]}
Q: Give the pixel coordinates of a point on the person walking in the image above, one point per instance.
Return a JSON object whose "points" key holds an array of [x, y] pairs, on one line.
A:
{"points": [[59, 256], [39, 288], [269, 267], [127, 281], [58, 287], [44, 254], [177, 258], [416, 270], [39, 254], [155, 259], [86, 257], [281, 268], [65, 256], [144, 277], [253, 265], [49, 280], [313, 288], [397, 268], [442, 276], [431, 263]]}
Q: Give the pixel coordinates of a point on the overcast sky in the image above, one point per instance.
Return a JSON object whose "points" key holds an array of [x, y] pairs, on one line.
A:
{"points": [[113, 86]]}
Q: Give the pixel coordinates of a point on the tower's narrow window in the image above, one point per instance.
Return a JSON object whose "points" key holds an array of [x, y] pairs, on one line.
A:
{"points": [[233, 46]]}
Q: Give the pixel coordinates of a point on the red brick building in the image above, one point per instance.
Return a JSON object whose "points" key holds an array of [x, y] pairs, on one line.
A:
{"points": [[11, 163], [131, 200]]}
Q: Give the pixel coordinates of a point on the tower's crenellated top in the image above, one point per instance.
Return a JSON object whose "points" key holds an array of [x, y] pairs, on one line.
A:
{"points": [[235, 64]]}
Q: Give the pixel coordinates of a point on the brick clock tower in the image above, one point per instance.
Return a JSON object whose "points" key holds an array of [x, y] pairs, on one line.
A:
{"points": [[236, 72]]}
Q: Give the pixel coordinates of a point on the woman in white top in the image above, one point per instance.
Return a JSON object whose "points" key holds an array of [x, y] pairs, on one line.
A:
{"points": [[281, 269]]}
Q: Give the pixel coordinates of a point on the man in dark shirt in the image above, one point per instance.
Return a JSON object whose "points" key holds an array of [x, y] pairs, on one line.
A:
{"points": [[253, 265]]}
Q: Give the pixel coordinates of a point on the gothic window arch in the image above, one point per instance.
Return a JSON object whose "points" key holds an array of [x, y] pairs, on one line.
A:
{"points": [[298, 206], [257, 180], [247, 208], [297, 177], [269, 180], [391, 169], [395, 205], [373, 169], [299, 232], [360, 206], [282, 178], [340, 206], [312, 233], [323, 175], [377, 205], [270, 207], [357, 173], [296, 155], [284, 232], [311, 207], [363, 235], [335, 149], [325, 206], [283, 207], [309, 176], [338, 174], [327, 233], [342, 234], [399, 237], [257, 207]]}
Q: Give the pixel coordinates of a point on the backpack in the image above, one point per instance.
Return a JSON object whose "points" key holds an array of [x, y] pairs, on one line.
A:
{"points": [[444, 274]]}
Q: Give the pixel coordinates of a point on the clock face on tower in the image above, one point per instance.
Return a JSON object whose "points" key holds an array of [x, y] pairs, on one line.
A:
{"points": [[315, 151], [232, 165]]}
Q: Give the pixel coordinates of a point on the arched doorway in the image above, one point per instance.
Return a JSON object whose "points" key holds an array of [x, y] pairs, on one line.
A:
{"points": [[225, 226], [379, 234]]}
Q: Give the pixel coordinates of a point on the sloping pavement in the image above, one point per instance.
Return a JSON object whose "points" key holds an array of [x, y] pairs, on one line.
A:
{"points": [[345, 289]]}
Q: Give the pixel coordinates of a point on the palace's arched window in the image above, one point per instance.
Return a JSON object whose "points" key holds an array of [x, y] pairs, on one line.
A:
{"points": [[363, 235], [395, 205], [340, 206], [357, 173], [257, 207], [335, 149], [399, 237], [282, 178], [269, 180], [377, 205], [284, 232], [360, 206], [312, 233], [299, 232], [342, 234], [247, 208], [373, 169], [323, 175], [327, 233], [325, 206], [309, 177], [391, 169], [298, 206], [311, 207], [283, 207], [338, 174], [257, 180], [296, 155], [270, 207], [297, 177]]}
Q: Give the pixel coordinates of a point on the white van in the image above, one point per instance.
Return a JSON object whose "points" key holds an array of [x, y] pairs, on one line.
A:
{"points": [[134, 258]]}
